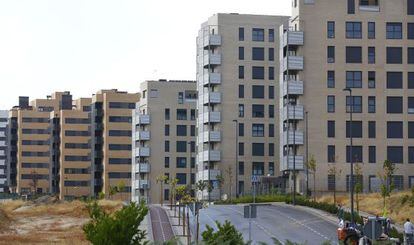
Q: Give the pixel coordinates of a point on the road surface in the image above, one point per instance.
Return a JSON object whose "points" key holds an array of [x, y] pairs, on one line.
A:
{"points": [[161, 227], [277, 221]]}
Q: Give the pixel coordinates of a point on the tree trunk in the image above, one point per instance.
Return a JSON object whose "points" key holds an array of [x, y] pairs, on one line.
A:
{"points": [[334, 196]]}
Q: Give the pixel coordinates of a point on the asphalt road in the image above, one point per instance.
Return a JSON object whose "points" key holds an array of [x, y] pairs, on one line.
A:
{"points": [[280, 222]]}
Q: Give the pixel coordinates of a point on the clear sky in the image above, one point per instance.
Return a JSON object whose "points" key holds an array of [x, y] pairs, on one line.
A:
{"points": [[86, 45]]}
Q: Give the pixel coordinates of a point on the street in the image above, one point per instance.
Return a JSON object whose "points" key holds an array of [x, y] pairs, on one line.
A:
{"points": [[276, 221]]}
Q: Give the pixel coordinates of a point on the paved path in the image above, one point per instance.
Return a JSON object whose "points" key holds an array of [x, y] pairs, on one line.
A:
{"points": [[282, 222], [161, 227]]}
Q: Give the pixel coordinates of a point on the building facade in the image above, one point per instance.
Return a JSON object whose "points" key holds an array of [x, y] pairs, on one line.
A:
{"points": [[4, 114], [368, 47], [237, 84], [164, 129]]}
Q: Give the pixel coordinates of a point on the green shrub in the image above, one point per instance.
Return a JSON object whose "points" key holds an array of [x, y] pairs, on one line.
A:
{"points": [[226, 234], [120, 228]]}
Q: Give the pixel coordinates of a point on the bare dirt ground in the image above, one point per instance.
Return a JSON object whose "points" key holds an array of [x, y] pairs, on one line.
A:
{"points": [[49, 222]]}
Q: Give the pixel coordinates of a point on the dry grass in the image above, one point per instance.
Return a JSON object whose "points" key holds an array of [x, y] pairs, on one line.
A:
{"points": [[48, 223], [373, 204]]}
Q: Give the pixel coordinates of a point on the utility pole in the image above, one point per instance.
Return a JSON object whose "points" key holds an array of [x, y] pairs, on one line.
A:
{"points": [[351, 178]]}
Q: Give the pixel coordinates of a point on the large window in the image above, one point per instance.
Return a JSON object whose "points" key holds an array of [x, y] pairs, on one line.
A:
{"points": [[394, 105], [371, 30], [331, 182], [257, 130], [354, 30], [356, 129], [331, 54], [394, 130], [331, 79], [356, 153], [258, 35], [410, 7], [258, 149], [372, 131], [258, 168], [181, 162], [395, 154], [394, 80], [331, 129], [354, 79], [258, 53], [355, 102], [394, 55], [258, 72], [371, 104], [394, 30], [331, 29], [258, 111], [241, 53], [371, 55], [182, 178], [331, 153], [181, 146], [257, 91], [181, 114], [351, 6], [181, 130], [353, 54], [331, 103]]}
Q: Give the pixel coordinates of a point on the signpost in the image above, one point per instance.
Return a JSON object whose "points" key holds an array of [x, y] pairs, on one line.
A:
{"points": [[250, 212], [255, 179]]}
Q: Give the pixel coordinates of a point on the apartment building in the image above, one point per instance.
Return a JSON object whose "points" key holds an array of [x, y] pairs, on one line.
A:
{"points": [[4, 114], [111, 129], [368, 47], [164, 129], [237, 67]]}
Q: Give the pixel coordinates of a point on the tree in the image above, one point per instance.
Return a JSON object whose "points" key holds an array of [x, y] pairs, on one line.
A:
{"points": [[120, 228], [358, 184], [386, 182], [220, 181], [311, 165], [173, 184], [226, 234], [161, 179], [121, 187], [181, 191], [112, 191], [229, 172], [334, 171], [35, 180]]}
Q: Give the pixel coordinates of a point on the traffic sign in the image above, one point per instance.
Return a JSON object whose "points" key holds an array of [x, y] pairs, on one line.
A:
{"points": [[255, 178]]}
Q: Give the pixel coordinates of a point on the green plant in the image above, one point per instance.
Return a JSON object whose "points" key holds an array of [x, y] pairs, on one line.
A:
{"points": [[122, 227], [121, 187], [220, 181], [334, 171], [358, 185], [161, 179], [112, 191], [101, 195], [226, 234], [386, 183], [311, 165]]}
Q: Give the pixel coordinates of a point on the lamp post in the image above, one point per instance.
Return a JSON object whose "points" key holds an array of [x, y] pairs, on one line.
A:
{"points": [[237, 157], [351, 178]]}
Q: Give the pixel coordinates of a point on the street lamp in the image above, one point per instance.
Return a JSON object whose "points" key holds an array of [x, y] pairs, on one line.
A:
{"points": [[351, 178], [237, 156]]}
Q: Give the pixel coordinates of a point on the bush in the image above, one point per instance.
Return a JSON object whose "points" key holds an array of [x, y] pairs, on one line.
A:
{"points": [[120, 228], [226, 234], [259, 199]]}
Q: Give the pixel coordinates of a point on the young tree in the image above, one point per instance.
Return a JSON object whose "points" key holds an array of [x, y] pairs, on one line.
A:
{"points": [[229, 172], [35, 180], [161, 179], [220, 181], [386, 182], [121, 187], [358, 184], [226, 234], [311, 165], [201, 186], [336, 172], [112, 191], [173, 185]]}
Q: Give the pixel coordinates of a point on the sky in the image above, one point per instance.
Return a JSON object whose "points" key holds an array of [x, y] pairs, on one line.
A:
{"points": [[86, 45]]}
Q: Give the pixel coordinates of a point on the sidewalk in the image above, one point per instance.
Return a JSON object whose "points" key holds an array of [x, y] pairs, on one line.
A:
{"points": [[177, 229]]}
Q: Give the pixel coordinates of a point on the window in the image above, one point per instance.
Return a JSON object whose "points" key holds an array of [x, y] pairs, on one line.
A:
{"points": [[410, 7], [77, 133], [167, 130], [395, 154], [356, 153], [271, 130], [331, 182], [354, 79], [331, 79], [271, 92], [394, 30], [167, 114], [241, 91], [394, 130], [271, 168], [331, 129], [271, 35], [271, 149], [181, 162], [371, 55], [271, 73], [241, 110], [371, 79], [120, 119], [394, 105], [181, 130], [354, 30], [182, 178], [356, 129], [372, 129], [120, 147], [121, 133], [410, 55], [241, 34], [271, 54], [241, 72], [371, 104], [411, 154], [258, 168], [241, 53], [258, 72], [398, 181], [180, 97], [410, 103], [394, 55], [241, 149], [166, 162], [372, 154], [121, 105], [394, 80], [241, 168], [258, 130], [331, 29], [181, 114], [181, 146], [410, 31], [331, 103], [257, 53], [356, 102], [167, 146], [257, 149], [258, 92], [371, 30], [193, 114], [258, 35], [410, 80], [331, 54], [241, 129], [351, 6], [410, 130], [356, 179], [353, 54], [331, 153], [257, 110]]}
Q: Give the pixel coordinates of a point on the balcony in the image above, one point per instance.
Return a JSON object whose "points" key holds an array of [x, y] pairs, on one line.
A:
{"points": [[142, 119], [142, 152], [212, 98], [293, 62], [142, 135], [295, 112], [142, 167], [295, 87], [212, 117], [203, 175], [294, 138], [142, 184], [212, 60], [293, 38], [211, 78], [299, 162], [212, 156], [212, 40], [211, 136]]}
